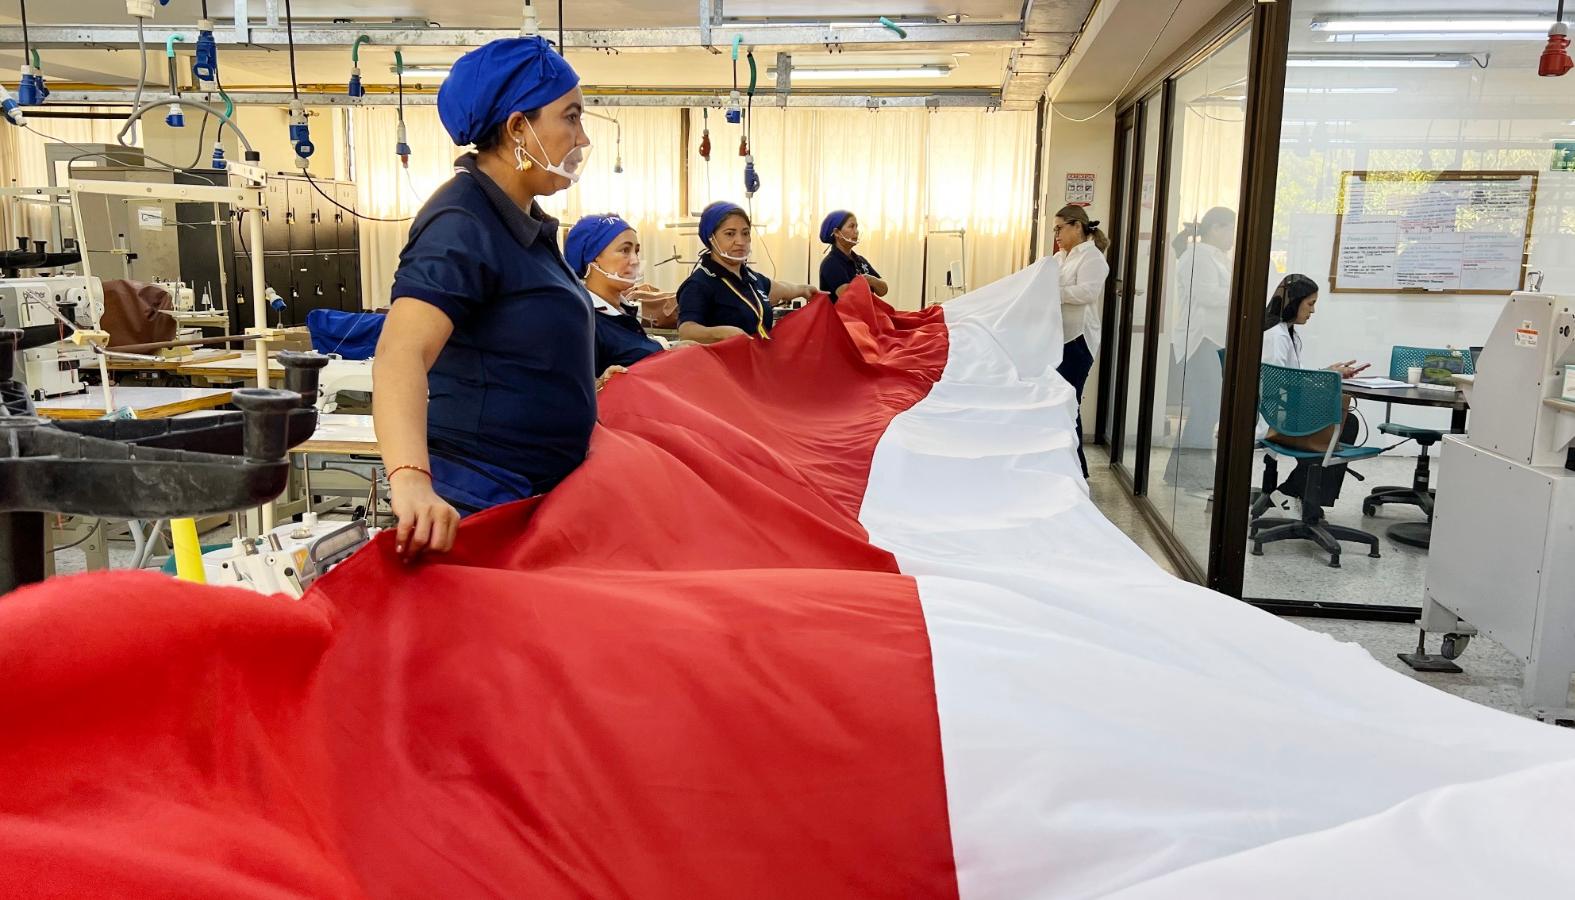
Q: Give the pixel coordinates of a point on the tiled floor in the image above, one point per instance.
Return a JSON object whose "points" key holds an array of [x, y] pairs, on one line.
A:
{"points": [[1492, 674]]}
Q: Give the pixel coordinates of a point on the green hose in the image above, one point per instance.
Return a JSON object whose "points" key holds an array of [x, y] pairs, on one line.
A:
{"points": [[38, 64], [355, 49], [399, 62], [169, 44], [737, 39], [752, 73]]}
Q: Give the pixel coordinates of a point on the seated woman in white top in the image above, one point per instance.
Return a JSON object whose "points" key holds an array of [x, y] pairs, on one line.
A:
{"points": [[1083, 274], [1293, 304]]}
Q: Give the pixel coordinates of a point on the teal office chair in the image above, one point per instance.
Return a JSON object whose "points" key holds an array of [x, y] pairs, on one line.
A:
{"points": [[1420, 493], [1298, 402]]}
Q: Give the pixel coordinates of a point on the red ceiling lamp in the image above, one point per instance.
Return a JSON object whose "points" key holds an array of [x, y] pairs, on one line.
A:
{"points": [[1555, 59]]}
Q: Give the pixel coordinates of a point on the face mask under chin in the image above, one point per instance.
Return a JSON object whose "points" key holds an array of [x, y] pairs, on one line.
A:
{"points": [[571, 167], [629, 280]]}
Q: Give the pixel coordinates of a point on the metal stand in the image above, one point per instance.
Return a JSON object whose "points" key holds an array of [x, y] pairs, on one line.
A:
{"points": [[1422, 661]]}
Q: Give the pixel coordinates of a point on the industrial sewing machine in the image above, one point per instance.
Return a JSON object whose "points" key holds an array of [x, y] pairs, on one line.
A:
{"points": [[37, 305], [1502, 561]]}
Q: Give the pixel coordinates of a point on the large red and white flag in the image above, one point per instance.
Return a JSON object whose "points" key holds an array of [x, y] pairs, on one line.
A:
{"points": [[829, 616]]}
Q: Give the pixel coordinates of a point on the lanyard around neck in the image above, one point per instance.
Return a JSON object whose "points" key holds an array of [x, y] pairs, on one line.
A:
{"points": [[755, 306]]}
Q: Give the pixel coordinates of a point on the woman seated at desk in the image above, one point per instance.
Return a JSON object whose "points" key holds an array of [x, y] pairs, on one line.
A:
{"points": [[604, 250], [1293, 304], [723, 297]]}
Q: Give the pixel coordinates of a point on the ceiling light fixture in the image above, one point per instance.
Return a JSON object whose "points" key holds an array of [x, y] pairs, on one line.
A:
{"points": [[1379, 61], [1342, 90], [1533, 25], [424, 69], [862, 74]]}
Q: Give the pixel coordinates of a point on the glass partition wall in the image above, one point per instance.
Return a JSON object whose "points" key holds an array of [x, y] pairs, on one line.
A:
{"points": [[1354, 158], [1176, 237]]}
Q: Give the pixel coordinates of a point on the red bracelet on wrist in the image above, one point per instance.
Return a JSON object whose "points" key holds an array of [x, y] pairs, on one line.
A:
{"points": [[397, 469]]}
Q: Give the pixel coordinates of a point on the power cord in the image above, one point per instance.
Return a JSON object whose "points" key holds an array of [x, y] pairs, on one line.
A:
{"points": [[364, 218], [1141, 62]]}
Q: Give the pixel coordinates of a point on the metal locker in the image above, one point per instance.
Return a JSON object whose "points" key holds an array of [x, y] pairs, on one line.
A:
{"points": [[278, 275], [302, 231], [276, 227], [349, 232], [350, 272]]}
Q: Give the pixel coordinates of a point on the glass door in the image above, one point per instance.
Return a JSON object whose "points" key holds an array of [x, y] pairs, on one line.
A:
{"points": [[1139, 228]]}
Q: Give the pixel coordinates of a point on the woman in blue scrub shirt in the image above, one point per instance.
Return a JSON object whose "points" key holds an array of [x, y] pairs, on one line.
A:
{"points": [[483, 384], [841, 265], [605, 251], [723, 297]]}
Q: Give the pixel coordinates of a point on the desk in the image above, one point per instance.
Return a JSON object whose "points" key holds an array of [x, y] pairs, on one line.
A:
{"points": [[146, 402], [1417, 534], [243, 368], [351, 435], [339, 435], [1452, 399], [170, 364], [202, 319]]}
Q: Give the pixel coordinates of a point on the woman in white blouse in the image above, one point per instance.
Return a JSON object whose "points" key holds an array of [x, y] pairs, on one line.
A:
{"points": [[1084, 271], [1200, 307], [1293, 304]]}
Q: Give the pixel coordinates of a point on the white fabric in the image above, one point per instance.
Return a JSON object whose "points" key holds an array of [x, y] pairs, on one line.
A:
{"points": [[1482, 839], [1105, 725], [1083, 274]]}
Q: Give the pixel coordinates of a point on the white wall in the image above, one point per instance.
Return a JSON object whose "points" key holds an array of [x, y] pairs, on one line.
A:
{"points": [[1070, 147], [1503, 117]]}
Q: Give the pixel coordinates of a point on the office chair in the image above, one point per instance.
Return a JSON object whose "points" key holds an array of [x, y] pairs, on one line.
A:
{"points": [[1420, 494], [1297, 402]]}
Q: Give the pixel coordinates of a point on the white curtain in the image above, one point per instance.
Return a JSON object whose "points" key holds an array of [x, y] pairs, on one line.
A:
{"points": [[902, 172], [22, 164], [646, 193]]}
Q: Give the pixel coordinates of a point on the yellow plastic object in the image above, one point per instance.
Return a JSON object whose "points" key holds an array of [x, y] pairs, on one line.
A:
{"points": [[188, 551]]}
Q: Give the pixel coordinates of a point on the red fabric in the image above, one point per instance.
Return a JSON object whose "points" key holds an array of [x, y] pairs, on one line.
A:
{"points": [[684, 673]]}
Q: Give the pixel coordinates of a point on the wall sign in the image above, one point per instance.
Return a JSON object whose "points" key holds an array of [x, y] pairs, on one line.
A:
{"points": [[1079, 188]]}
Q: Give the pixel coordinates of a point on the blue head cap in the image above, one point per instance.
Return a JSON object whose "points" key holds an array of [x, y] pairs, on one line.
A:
{"points": [[490, 83], [832, 223], [711, 218], [589, 237]]}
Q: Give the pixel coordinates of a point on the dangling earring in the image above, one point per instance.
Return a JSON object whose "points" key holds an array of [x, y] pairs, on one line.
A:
{"points": [[521, 162]]}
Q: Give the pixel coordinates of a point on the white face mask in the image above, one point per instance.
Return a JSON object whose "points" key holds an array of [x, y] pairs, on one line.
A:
{"points": [[737, 259], [571, 167], [630, 280]]}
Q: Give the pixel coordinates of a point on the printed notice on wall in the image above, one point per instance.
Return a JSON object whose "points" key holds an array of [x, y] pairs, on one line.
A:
{"points": [[1079, 188], [1445, 232]]}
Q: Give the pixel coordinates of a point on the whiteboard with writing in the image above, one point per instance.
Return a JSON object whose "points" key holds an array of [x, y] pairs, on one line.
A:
{"points": [[1444, 232]]}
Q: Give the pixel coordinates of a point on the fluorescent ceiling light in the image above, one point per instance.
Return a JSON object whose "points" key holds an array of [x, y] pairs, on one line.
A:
{"points": [[1378, 61], [781, 22], [420, 70], [1342, 90], [1433, 24], [870, 74], [1375, 37]]}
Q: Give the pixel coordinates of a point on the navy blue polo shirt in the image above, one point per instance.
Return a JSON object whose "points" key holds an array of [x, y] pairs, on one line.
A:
{"points": [[707, 297], [514, 386], [621, 339], [838, 269]]}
